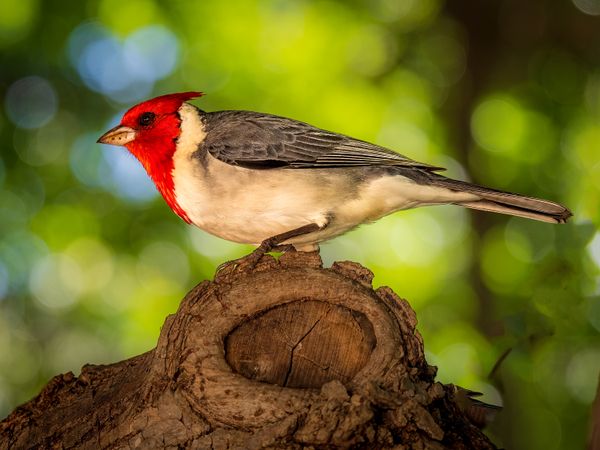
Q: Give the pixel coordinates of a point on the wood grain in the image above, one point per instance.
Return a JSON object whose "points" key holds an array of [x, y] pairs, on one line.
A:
{"points": [[301, 344]]}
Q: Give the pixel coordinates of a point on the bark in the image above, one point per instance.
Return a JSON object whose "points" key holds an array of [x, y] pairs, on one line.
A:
{"points": [[286, 355]]}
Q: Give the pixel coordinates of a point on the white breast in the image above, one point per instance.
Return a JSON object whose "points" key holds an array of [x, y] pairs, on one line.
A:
{"points": [[238, 204]]}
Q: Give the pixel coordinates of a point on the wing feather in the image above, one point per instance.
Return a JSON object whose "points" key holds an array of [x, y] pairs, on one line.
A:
{"points": [[256, 140]]}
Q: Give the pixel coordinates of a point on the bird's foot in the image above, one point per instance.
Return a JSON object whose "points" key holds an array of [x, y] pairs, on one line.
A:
{"points": [[243, 264], [249, 262], [285, 248], [274, 243]]}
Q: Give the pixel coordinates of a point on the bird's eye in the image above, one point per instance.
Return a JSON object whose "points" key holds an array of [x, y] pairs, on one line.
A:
{"points": [[146, 119]]}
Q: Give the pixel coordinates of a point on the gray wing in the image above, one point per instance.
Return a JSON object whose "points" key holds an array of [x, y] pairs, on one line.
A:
{"points": [[263, 141]]}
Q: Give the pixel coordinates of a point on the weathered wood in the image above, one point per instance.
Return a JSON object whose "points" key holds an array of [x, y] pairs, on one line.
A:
{"points": [[301, 344], [286, 355]]}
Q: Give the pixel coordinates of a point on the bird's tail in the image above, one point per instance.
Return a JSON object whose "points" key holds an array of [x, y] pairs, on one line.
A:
{"points": [[507, 202]]}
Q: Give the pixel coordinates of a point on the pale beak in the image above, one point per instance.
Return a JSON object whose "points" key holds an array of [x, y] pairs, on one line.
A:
{"points": [[118, 135]]}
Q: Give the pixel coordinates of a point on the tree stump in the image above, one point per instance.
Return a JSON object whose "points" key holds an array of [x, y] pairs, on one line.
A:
{"points": [[287, 355]]}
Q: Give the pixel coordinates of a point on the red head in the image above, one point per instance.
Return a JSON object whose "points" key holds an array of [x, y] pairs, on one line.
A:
{"points": [[149, 131]]}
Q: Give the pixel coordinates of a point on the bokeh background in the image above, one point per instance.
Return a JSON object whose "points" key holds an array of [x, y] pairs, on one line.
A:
{"points": [[505, 93]]}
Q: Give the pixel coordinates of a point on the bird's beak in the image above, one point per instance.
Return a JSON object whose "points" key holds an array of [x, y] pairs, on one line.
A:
{"points": [[118, 135]]}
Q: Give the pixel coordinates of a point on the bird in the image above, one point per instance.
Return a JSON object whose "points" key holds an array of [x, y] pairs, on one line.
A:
{"points": [[281, 184]]}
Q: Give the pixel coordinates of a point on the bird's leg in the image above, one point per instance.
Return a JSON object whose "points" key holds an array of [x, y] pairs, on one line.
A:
{"points": [[283, 248], [272, 243]]}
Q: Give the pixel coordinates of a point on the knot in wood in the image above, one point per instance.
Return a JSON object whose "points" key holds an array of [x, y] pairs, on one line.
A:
{"points": [[303, 343]]}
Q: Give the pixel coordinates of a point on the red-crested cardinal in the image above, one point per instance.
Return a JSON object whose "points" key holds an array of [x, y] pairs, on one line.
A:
{"points": [[266, 180]]}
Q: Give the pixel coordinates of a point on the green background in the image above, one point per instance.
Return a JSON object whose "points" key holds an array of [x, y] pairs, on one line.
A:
{"points": [[505, 93]]}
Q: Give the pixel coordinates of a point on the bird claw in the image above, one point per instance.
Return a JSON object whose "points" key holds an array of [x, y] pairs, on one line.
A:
{"points": [[243, 264], [225, 266], [250, 261]]}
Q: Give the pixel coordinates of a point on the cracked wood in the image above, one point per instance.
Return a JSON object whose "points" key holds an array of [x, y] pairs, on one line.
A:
{"points": [[301, 344]]}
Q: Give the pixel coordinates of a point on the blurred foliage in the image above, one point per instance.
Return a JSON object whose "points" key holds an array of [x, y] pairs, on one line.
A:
{"points": [[506, 92]]}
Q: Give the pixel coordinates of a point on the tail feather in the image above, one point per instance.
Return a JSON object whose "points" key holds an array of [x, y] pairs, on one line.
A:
{"points": [[507, 202], [486, 205]]}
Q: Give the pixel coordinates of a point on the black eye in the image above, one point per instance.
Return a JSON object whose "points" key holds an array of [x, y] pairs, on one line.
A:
{"points": [[146, 119]]}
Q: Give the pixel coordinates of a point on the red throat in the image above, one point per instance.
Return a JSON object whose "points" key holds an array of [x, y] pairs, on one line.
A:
{"points": [[158, 162], [155, 142]]}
